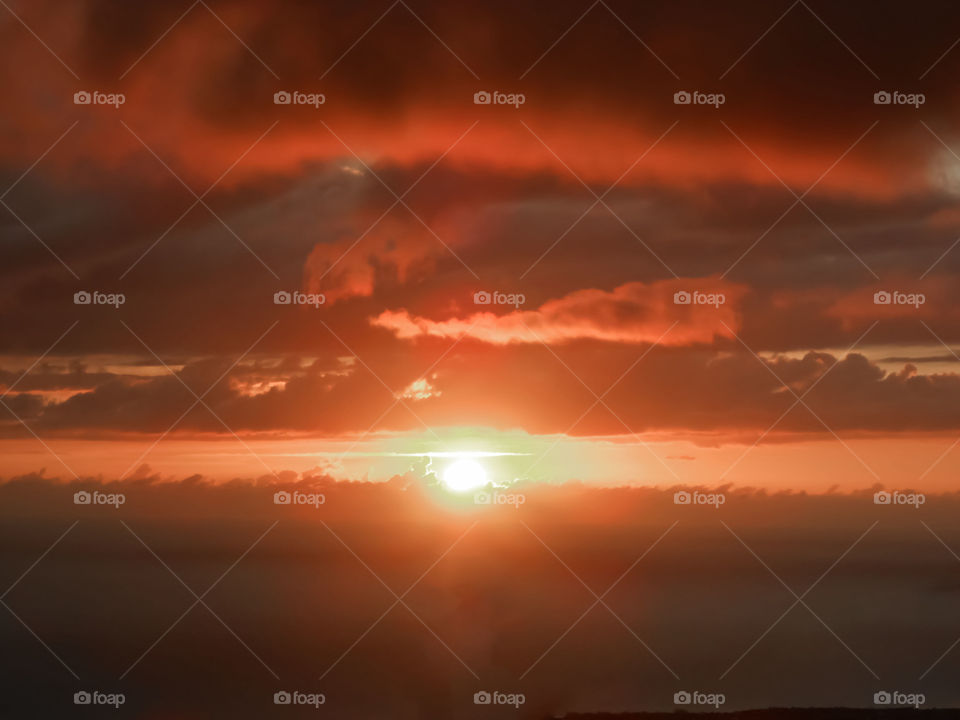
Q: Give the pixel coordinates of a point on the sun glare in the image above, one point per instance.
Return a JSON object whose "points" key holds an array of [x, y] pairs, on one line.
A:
{"points": [[463, 475]]}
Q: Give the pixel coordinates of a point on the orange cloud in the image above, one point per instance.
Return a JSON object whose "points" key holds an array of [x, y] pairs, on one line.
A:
{"points": [[674, 312]]}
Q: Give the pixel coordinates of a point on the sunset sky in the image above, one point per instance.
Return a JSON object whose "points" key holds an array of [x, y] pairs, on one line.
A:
{"points": [[398, 198], [597, 251]]}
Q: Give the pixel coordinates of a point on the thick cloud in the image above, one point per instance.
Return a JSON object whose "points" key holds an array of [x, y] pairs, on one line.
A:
{"points": [[492, 595], [493, 198], [674, 389]]}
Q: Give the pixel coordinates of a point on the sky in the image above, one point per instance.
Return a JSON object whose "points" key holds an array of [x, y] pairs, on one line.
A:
{"points": [[683, 270], [583, 211]]}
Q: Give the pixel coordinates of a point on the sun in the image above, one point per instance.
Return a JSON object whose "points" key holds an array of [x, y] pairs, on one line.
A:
{"points": [[464, 474]]}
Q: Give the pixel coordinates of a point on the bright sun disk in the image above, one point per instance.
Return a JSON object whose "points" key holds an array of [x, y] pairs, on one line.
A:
{"points": [[463, 475]]}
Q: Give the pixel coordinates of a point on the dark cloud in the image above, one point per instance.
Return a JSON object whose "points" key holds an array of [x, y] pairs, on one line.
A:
{"points": [[484, 204], [675, 389], [299, 598]]}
